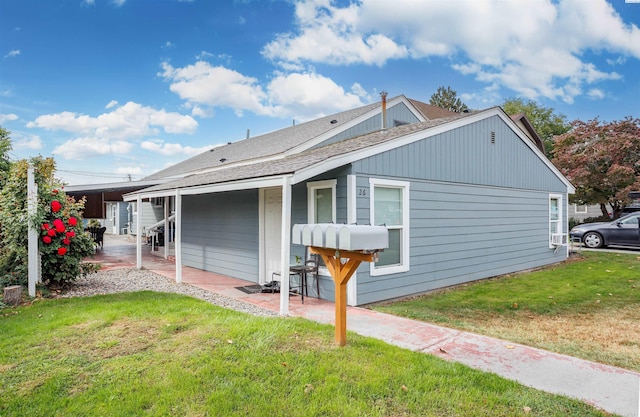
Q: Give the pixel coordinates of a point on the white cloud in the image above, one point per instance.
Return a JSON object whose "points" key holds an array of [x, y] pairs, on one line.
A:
{"points": [[131, 120], [21, 140], [309, 96], [87, 147], [216, 86], [12, 53], [170, 149], [111, 104], [112, 132], [168, 44], [131, 170], [595, 94], [331, 34], [537, 48], [204, 55], [118, 3], [8, 117], [299, 95]]}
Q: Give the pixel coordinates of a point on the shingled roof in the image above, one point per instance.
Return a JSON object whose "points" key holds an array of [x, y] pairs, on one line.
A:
{"points": [[432, 112], [265, 145], [293, 163]]}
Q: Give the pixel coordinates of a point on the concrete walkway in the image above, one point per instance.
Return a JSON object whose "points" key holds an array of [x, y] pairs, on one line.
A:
{"points": [[612, 389]]}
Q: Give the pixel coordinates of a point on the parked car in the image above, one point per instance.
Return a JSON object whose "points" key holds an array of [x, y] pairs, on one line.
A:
{"points": [[624, 231], [630, 209]]}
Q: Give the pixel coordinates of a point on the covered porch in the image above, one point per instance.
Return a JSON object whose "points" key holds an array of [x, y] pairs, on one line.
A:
{"points": [[119, 252]]}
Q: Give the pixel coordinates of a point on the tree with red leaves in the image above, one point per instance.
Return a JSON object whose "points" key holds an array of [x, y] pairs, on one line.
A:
{"points": [[602, 160]]}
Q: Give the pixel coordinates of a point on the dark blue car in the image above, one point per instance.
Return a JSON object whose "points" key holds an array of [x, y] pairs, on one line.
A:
{"points": [[622, 232]]}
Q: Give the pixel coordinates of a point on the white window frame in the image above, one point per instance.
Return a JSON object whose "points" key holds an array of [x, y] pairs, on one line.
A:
{"points": [[575, 208], [134, 208], [312, 187], [405, 246], [560, 229]]}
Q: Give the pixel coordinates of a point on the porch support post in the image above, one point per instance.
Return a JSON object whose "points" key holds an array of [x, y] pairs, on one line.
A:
{"points": [[166, 227], [178, 239], [352, 218], [285, 248], [139, 233]]}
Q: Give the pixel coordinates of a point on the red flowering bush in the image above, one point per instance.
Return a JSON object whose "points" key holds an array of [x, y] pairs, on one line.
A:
{"points": [[67, 244], [63, 244]]}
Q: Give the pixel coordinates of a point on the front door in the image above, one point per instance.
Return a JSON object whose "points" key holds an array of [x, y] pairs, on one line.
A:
{"points": [[272, 231]]}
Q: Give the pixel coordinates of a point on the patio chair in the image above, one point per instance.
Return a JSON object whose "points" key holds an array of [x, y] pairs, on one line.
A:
{"points": [[97, 234]]}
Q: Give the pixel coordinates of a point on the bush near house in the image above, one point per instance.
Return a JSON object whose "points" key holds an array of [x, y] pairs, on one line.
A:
{"points": [[62, 242]]}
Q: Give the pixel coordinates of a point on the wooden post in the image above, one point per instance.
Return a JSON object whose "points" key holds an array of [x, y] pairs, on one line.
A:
{"points": [[341, 273]]}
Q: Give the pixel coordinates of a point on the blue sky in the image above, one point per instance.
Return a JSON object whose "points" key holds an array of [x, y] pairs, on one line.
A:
{"points": [[119, 88]]}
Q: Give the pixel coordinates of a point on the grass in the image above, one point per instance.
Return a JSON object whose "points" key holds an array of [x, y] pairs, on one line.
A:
{"points": [[164, 354], [587, 307]]}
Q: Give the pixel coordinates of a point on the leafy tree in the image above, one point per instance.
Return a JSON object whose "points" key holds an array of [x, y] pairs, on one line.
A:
{"points": [[446, 98], [602, 160], [5, 147], [62, 242], [545, 121]]}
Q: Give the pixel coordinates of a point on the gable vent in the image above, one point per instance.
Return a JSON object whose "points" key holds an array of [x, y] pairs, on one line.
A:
{"points": [[493, 138]]}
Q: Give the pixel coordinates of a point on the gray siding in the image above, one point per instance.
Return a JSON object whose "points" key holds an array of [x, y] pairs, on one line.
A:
{"points": [[477, 209], [151, 214], [220, 233], [466, 155], [398, 113], [299, 216]]}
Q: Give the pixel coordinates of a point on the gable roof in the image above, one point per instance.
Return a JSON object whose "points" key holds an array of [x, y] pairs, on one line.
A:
{"points": [[432, 112], [520, 118], [304, 165], [292, 139], [269, 144]]}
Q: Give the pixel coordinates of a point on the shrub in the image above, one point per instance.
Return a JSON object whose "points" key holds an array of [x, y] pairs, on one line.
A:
{"points": [[62, 242]]}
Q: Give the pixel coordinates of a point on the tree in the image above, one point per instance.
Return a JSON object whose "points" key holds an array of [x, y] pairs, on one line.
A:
{"points": [[545, 121], [5, 163], [446, 98], [602, 160]]}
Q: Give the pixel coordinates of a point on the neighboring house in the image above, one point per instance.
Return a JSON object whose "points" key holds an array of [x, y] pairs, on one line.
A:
{"points": [[583, 211], [103, 202], [465, 197]]}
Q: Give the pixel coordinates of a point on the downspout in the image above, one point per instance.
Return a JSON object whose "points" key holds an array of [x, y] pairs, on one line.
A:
{"points": [[383, 94]]}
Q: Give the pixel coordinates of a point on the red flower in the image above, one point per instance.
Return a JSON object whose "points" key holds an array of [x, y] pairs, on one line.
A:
{"points": [[55, 206], [46, 239], [73, 221], [51, 232], [62, 250], [59, 225], [45, 226], [70, 234], [55, 191]]}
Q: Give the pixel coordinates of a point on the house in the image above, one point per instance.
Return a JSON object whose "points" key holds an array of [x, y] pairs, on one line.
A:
{"points": [[464, 197], [103, 202]]}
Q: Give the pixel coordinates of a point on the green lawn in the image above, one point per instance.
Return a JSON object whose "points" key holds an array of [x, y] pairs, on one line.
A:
{"points": [[164, 354], [589, 308]]}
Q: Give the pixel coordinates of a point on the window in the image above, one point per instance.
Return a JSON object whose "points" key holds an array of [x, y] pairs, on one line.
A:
{"points": [[580, 208], [134, 207], [389, 201], [321, 201], [555, 216]]}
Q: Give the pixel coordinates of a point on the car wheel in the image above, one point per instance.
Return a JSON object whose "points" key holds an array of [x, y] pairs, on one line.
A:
{"points": [[593, 240]]}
